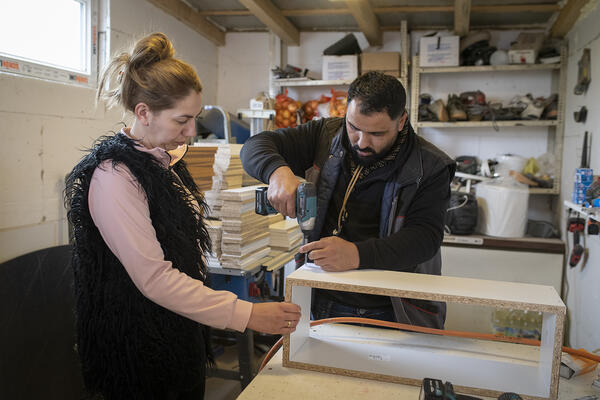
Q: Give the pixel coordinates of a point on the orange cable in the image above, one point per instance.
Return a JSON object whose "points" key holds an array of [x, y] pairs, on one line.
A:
{"points": [[397, 325]]}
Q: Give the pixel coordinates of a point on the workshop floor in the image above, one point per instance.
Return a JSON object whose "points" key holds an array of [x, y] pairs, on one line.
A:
{"points": [[223, 389]]}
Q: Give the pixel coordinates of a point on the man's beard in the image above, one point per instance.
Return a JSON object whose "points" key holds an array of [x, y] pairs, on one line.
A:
{"points": [[372, 158]]}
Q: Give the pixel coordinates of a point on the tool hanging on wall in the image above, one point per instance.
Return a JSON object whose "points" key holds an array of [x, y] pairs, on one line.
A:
{"points": [[584, 73], [576, 226]]}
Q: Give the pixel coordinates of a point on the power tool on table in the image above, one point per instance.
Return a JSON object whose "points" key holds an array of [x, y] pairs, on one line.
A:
{"points": [[306, 207]]}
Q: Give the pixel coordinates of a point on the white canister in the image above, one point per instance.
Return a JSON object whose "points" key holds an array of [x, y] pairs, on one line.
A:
{"points": [[502, 208]]}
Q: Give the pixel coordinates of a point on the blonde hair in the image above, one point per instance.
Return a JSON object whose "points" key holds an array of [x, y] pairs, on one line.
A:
{"points": [[148, 74]]}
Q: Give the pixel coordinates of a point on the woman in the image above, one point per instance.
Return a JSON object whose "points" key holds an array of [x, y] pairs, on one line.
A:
{"points": [[139, 238]]}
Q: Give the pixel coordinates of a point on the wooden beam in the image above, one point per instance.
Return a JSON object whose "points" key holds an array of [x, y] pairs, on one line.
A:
{"points": [[516, 8], [367, 20], [271, 16], [567, 17], [190, 17], [482, 9], [462, 17]]}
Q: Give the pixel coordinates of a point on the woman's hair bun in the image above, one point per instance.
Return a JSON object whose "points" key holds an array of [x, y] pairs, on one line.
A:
{"points": [[151, 49]]}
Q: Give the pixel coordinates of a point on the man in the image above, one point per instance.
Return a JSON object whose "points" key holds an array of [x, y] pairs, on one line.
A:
{"points": [[382, 195]]}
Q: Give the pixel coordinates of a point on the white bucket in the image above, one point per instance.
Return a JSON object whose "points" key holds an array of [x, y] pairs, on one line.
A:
{"points": [[502, 208]]}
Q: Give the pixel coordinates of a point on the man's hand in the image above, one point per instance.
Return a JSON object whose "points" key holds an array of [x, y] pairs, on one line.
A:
{"points": [[282, 191], [274, 318], [333, 254]]}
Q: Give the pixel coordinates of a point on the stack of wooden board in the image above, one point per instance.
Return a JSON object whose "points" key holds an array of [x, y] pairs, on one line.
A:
{"points": [[247, 180], [285, 235], [227, 174], [245, 234], [215, 231], [200, 160], [275, 218], [228, 167]]}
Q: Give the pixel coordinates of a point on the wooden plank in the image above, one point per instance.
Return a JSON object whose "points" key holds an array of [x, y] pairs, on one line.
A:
{"points": [[367, 20], [482, 9], [271, 16], [462, 17], [555, 246], [190, 17], [487, 124], [432, 287], [567, 18], [488, 68]]}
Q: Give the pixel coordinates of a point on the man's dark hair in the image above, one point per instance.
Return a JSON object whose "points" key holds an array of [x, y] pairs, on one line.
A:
{"points": [[378, 92]]}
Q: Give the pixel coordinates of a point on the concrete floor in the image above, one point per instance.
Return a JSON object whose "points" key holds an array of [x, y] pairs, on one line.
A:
{"points": [[223, 389]]}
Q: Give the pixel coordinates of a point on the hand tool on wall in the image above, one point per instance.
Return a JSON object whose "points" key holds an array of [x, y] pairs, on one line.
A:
{"points": [[576, 226], [306, 207]]}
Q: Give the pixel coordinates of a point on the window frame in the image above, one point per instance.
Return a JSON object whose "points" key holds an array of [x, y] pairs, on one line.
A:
{"points": [[36, 69]]}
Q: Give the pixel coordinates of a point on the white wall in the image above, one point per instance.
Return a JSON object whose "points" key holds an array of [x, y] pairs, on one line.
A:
{"points": [[584, 291], [45, 125]]}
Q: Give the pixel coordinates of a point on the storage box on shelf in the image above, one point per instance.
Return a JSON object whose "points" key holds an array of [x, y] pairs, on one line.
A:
{"points": [[555, 127]]}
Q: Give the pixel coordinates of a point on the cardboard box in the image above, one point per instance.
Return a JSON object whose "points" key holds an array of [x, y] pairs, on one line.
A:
{"points": [[439, 51], [525, 49], [385, 62], [340, 67]]}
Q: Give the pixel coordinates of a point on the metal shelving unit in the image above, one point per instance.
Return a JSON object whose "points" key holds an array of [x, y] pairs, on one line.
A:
{"points": [[302, 82], [555, 141]]}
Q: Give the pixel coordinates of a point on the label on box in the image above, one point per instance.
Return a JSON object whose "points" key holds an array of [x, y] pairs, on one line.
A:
{"points": [[340, 67], [439, 51], [256, 105]]}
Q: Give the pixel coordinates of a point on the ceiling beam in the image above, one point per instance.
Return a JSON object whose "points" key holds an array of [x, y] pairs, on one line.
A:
{"points": [[481, 9], [271, 16], [367, 20], [462, 17], [392, 28], [567, 17], [191, 18]]}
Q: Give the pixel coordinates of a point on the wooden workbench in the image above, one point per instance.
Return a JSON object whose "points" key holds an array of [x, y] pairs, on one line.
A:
{"points": [[276, 382]]}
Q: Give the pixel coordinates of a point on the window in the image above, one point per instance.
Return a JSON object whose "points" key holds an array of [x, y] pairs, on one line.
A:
{"points": [[49, 39]]}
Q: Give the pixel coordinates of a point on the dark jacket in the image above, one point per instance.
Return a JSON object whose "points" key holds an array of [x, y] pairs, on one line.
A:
{"points": [[315, 151], [129, 346]]}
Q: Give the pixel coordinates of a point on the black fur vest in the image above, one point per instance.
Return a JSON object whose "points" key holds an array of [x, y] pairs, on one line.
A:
{"points": [[130, 347]]}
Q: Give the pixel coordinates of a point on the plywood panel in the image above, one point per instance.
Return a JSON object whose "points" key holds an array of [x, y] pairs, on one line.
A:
{"points": [[430, 287]]}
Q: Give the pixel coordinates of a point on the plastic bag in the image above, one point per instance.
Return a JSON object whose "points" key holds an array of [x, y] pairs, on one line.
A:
{"points": [[337, 104], [286, 111]]}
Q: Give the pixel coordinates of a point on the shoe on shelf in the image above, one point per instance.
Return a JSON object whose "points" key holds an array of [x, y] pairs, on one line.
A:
{"points": [[425, 115], [534, 109], [496, 112], [476, 112], [456, 110], [439, 110], [473, 98], [551, 107], [425, 99]]}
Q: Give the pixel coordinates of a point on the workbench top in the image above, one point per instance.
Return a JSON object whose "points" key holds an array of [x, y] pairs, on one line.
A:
{"points": [[276, 382]]}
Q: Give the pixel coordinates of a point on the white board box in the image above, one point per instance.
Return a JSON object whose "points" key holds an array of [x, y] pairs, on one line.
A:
{"points": [[439, 51], [340, 67], [486, 368]]}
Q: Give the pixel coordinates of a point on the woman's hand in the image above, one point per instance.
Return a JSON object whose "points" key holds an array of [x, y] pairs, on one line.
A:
{"points": [[274, 318]]}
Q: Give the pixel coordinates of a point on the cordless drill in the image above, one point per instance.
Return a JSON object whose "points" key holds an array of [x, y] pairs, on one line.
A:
{"points": [[306, 207]]}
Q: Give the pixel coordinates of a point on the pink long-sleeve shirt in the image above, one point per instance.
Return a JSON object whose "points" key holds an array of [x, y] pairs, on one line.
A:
{"points": [[119, 209]]}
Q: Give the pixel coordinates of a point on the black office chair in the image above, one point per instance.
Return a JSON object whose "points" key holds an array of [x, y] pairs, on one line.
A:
{"points": [[37, 327]]}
